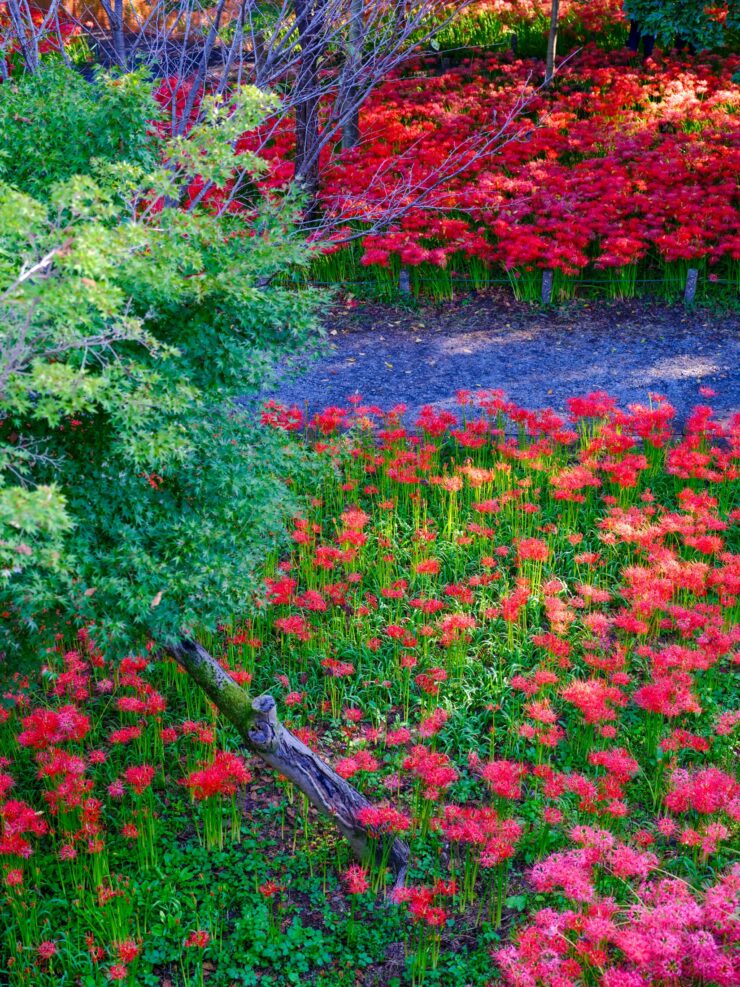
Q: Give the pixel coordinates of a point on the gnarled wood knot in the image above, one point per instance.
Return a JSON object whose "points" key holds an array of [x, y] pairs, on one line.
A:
{"points": [[265, 729]]}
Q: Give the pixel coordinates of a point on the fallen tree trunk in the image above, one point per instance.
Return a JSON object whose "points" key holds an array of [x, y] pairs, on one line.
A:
{"points": [[262, 733]]}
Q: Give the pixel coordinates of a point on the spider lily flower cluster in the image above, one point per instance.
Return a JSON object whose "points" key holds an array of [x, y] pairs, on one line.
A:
{"points": [[619, 172], [515, 631]]}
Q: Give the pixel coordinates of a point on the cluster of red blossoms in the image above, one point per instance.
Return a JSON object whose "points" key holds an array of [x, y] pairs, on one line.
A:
{"points": [[594, 551], [617, 164], [222, 776], [516, 633]]}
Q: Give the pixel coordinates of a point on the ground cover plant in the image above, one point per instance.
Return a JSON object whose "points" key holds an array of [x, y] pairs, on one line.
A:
{"points": [[515, 632]]}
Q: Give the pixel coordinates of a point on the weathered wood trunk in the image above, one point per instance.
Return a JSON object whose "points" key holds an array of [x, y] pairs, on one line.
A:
{"points": [[262, 733], [692, 279]]}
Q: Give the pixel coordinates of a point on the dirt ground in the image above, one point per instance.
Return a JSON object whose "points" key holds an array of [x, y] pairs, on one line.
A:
{"points": [[539, 357]]}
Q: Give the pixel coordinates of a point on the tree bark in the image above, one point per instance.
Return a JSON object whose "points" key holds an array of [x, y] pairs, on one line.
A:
{"points": [[308, 93], [25, 34], [350, 91], [552, 41], [114, 12], [262, 733]]}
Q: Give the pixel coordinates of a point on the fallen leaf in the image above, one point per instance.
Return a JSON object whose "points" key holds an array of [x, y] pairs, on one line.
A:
{"points": [[157, 600]]}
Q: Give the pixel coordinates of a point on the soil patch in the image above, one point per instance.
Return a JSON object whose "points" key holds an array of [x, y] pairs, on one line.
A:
{"points": [[539, 357]]}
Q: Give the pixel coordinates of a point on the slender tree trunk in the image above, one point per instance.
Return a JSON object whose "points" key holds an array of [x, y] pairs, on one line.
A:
{"points": [[552, 41], [25, 33], [259, 53], [350, 93], [309, 24], [633, 40], [114, 12], [197, 81], [119, 38], [262, 733]]}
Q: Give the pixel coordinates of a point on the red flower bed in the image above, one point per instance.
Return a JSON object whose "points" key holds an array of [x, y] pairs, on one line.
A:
{"points": [[619, 164], [515, 631]]}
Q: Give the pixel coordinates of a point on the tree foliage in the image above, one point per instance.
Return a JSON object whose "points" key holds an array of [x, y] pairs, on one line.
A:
{"points": [[135, 491], [704, 25], [54, 125]]}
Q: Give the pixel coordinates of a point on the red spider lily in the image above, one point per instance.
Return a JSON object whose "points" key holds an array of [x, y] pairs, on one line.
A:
{"points": [[361, 761], [278, 416], [329, 420], [641, 180], [612, 699], [706, 791], [432, 768], [18, 818], [47, 949], [355, 879], [139, 777], [397, 738], [570, 872], [433, 723], [338, 669], [383, 820], [124, 736], [532, 549], [421, 901], [197, 940], [127, 951], [47, 727], [295, 626], [14, 878], [6, 783], [503, 777], [617, 761], [428, 567], [669, 695], [594, 699], [269, 889], [222, 777]]}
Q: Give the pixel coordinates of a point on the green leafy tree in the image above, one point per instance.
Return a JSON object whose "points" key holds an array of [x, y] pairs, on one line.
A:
{"points": [[136, 494], [129, 471], [55, 125], [696, 22]]}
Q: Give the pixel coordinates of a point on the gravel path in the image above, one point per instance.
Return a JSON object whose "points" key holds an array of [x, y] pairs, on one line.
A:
{"points": [[538, 357]]}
